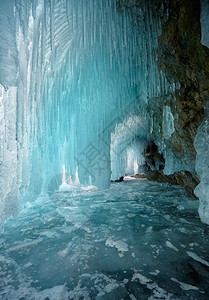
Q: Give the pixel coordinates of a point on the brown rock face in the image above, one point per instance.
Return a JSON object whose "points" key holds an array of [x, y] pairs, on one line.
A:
{"points": [[184, 178], [185, 60], [154, 171]]}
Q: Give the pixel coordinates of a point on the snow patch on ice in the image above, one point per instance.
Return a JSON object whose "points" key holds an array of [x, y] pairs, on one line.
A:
{"points": [[121, 246], [158, 292], [65, 187], [197, 258], [169, 245], [142, 279], [90, 188], [154, 273], [110, 287], [185, 286]]}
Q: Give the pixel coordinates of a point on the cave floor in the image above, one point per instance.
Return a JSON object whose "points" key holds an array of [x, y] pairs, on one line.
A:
{"points": [[136, 240]]}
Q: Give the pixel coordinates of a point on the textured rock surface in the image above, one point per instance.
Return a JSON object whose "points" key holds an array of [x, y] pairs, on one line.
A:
{"points": [[185, 61], [154, 171], [186, 179]]}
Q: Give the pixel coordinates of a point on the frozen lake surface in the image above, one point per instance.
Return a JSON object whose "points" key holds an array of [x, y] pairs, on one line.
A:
{"points": [[136, 240]]}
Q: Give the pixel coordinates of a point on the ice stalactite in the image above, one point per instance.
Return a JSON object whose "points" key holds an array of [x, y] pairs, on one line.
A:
{"points": [[202, 168], [73, 70], [202, 138], [8, 112], [8, 153]]}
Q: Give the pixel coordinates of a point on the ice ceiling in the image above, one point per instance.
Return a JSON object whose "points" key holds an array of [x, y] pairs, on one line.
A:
{"points": [[75, 79]]}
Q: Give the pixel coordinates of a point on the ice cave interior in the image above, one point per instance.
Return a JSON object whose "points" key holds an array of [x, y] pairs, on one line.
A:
{"points": [[104, 149]]}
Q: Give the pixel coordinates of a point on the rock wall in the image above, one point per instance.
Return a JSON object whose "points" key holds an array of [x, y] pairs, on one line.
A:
{"points": [[185, 61]]}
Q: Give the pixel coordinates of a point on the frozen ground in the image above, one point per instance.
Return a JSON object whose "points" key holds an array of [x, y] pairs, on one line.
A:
{"points": [[137, 240]]}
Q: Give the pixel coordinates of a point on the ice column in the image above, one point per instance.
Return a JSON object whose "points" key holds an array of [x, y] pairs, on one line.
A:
{"points": [[202, 168], [202, 138], [8, 112], [71, 71]]}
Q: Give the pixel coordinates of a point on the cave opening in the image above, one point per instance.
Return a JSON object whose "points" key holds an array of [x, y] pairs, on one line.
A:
{"points": [[104, 138]]}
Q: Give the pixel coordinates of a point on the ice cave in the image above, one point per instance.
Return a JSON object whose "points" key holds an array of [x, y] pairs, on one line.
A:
{"points": [[104, 149]]}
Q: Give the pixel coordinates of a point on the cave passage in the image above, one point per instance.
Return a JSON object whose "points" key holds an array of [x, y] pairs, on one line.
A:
{"points": [[136, 240], [85, 71], [87, 86], [92, 91]]}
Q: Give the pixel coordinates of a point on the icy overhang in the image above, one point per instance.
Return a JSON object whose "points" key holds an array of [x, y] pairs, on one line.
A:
{"points": [[204, 19]]}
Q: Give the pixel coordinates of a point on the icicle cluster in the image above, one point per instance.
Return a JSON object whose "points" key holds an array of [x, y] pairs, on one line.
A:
{"points": [[202, 138], [202, 168], [73, 70]]}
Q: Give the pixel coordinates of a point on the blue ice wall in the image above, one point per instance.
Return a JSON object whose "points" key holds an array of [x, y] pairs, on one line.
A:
{"points": [[8, 111], [76, 69], [202, 138]]}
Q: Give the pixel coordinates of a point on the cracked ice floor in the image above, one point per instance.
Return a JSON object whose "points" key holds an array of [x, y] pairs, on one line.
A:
{"points": [[136, 240]]}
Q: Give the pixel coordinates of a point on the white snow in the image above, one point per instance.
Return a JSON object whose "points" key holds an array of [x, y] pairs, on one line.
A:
{"points": [[119, 245], [185, 286], [197, 258], [142, 279], [154, 273], [169, 245]]}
